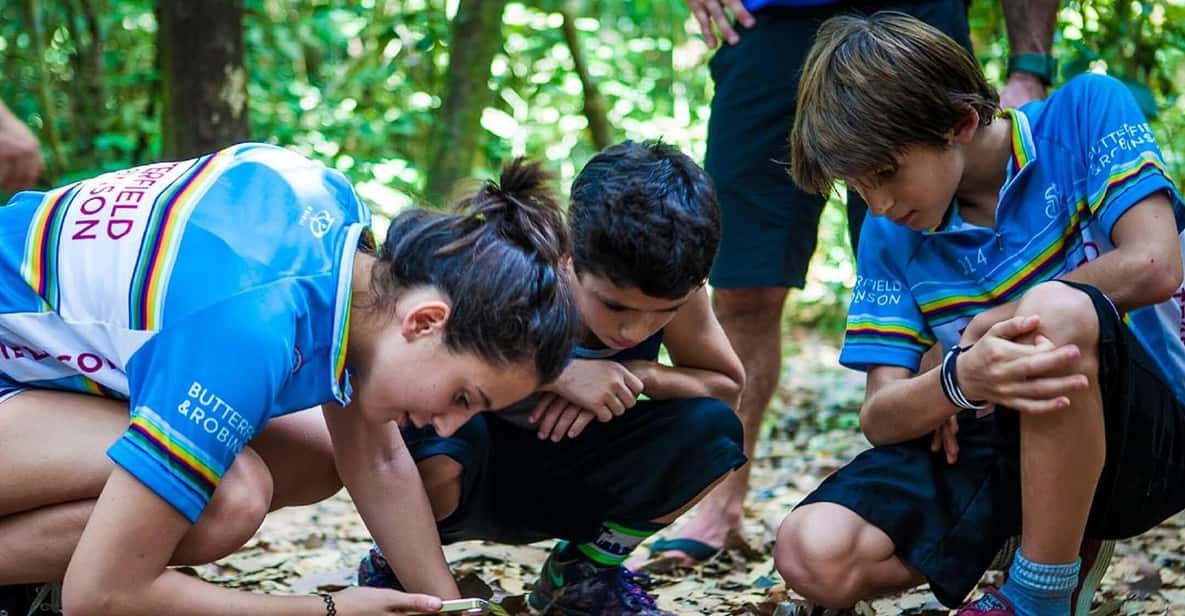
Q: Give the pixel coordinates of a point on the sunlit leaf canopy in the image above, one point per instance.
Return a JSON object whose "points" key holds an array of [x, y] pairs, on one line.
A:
{"points": [[359, 84]]}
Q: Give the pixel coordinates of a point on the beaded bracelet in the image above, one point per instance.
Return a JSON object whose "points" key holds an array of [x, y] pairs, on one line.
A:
{"points": [[330, 608]]}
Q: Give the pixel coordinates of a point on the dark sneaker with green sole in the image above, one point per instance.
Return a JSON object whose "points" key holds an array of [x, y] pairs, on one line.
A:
{"points": [[580, 588]]}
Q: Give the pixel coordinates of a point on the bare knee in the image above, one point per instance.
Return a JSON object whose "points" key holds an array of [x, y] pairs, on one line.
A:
{"points": [[442, 480], [1067, 316], [819, 552], [233, 515]]}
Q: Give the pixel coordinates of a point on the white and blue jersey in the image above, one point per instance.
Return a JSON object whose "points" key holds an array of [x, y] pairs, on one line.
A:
{"points": [[211, 294], [1080, 160]]}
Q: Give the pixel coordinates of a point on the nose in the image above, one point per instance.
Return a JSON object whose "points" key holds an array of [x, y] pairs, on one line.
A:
{"points": [[636, 330], [878, 202], [447, 425]]}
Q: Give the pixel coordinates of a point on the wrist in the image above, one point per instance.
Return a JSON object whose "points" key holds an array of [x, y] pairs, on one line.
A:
{"points": [[950, 380], [330, 606], [1041, 66]]}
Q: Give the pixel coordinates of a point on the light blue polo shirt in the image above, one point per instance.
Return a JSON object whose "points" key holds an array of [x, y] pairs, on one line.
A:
{"points": [[212, 294], [1080, 160]]}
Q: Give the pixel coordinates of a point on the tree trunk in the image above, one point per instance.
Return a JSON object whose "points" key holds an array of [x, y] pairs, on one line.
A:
{"points": [[49, 119], [203, 81], [89, 101], [595, 109], [476, 36]]}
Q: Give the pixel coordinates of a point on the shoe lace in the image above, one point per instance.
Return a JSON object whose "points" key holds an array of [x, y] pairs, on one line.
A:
{"points": [[48, 596], [631, 587]]}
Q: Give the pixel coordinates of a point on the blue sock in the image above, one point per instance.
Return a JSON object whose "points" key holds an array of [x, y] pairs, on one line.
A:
{"points": [[1036, 589]]}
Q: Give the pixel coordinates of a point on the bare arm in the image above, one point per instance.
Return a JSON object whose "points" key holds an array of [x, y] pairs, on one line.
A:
{"points": [[705, 365], [119, 568], [383, 480], [1144, 268], [20, 154]]}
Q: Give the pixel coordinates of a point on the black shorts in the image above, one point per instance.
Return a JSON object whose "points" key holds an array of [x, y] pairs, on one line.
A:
{"points": [[769, 226], [647, 463], [950, 520]]}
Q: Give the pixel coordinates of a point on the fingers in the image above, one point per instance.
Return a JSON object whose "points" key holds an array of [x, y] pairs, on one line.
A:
{"points": [[1037, 362], [634, 384], [950, 444], [405, 603], [582, 421], [564, 423], [1057, 390], [741, 13], [550, 416], [705, 25], [544, 401], [723, 23], [1010, 329]]}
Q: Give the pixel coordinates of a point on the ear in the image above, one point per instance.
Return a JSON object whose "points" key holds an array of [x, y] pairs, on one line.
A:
{"points": [[425, 318], [965, 130]]}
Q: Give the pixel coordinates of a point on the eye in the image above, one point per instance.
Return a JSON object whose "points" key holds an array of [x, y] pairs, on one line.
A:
{"points": [[886, 174], [615, 307], [461, 399]]}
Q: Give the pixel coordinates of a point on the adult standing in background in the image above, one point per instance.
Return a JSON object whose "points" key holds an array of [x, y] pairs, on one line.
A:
{"points": [[769, 224], [20, 154]]}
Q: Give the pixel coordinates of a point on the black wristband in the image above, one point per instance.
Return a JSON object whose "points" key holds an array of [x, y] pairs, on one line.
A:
{"points": [[330, 608], [949, 377]]}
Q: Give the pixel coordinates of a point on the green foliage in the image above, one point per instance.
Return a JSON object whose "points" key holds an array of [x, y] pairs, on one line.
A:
{"points": [[358, 85]]}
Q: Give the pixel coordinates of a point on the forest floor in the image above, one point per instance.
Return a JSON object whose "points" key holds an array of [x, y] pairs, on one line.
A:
{"points": [[811, 431]]}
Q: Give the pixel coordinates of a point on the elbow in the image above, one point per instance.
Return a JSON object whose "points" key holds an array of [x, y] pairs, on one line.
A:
{"points": [[733, 390], [1161, 278], [872, 428]]}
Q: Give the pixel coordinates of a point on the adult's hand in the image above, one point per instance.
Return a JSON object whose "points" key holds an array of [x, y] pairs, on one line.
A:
{"points": [[709, 12], [20, 154]]}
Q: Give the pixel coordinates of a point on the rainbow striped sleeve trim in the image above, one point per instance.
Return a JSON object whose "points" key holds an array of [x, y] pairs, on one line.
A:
{"points": [[870, 329], [162, 239], [153, 436], [40, 266], [341, 318], [1126, 176]]}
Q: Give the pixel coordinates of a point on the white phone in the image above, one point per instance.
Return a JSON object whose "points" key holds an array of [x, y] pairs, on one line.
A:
{"points": [[475, 607]]}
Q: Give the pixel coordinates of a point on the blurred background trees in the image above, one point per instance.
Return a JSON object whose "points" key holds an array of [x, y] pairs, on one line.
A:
{"points": [[407, 96]]}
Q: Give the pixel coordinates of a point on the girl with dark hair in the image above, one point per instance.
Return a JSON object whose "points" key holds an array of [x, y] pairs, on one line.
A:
{"points": [[213, 298]]}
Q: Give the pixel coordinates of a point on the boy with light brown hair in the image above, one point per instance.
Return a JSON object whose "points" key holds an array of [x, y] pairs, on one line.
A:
{"points": [[1039, 250]]}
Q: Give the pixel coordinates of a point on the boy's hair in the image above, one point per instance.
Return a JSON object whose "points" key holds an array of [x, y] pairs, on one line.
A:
{"points": [[644, 215], [873, 87], [498, 262]]}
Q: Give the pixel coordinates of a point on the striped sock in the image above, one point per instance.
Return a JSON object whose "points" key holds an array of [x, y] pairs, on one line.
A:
{"points": [[1037, 589], [613, 544]]}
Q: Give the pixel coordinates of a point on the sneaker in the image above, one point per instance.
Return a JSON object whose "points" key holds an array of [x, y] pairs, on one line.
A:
{"points": [[31, 599], [375, 572], [579, 588], [991, 603], [1096, 558]]}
